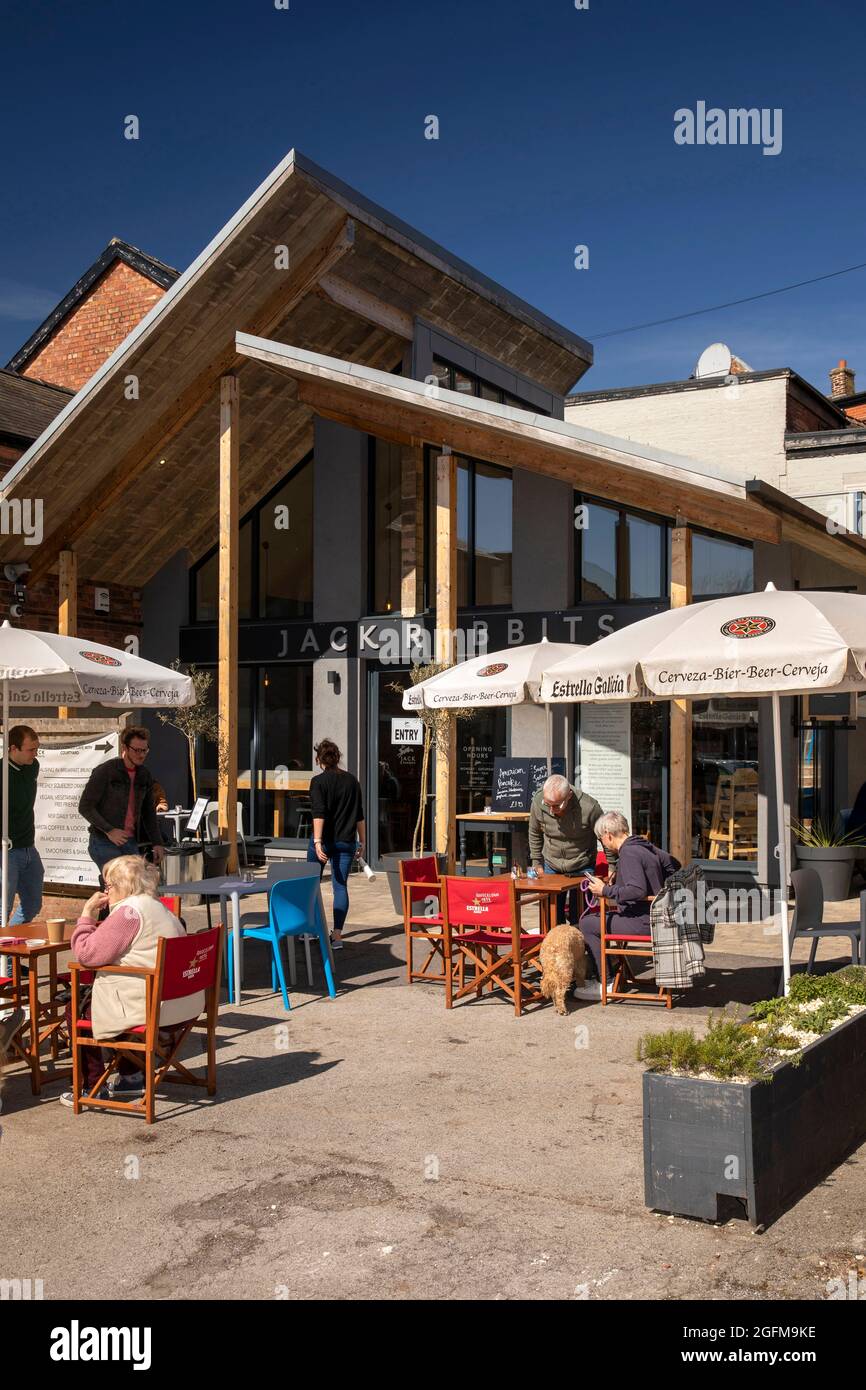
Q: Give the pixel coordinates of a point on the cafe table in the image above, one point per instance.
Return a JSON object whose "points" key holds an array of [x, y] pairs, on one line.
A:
{"points": [[549, 887], [46, 1016], [232, 887]]}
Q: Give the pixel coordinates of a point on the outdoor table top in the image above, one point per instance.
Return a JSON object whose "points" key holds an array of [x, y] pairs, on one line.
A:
{"points": [[231, 884], [36, 943], [485, 816], [548, 883]]}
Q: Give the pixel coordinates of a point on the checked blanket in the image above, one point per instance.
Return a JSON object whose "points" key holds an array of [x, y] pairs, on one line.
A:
{"points": [[679, 930]]}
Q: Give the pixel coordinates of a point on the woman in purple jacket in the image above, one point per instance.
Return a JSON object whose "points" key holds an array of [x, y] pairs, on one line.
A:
{"points": [[641, 869]]}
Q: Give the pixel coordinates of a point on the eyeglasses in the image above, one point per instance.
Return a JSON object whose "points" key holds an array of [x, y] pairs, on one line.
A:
{"points": [[137, 748], [557, 805]]}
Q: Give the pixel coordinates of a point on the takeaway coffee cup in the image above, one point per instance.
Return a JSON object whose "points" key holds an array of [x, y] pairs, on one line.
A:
{"points": [[54, 926]]}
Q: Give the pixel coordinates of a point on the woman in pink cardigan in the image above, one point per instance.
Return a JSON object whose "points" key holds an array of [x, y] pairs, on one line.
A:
{"points": [[129, 935]]}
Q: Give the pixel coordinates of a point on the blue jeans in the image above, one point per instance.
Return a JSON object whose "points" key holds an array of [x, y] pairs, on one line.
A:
{"points": [[564, 913], [100, 849], [26, 876], [341, 855]]}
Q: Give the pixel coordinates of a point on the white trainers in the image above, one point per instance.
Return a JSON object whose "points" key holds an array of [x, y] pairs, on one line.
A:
{"points": [[591, 990]]}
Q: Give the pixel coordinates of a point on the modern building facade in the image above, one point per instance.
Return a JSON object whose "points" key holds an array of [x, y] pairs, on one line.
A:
{"points": [[329, 441], [768, 428]]}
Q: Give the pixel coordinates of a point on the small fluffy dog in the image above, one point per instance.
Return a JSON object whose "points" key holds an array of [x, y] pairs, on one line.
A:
{"points": [[563, 959]]}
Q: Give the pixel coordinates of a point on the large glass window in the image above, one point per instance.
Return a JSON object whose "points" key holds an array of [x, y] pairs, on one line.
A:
{"points": [[386, 520], [484, 533], [492, 535], [480, 738], [275, 750], [725, 779], [275, 569], [650, 724], [206, 580], [720, 567], [452, 378], [284, 751], [285, 549], [598, 551], [619, 554]]}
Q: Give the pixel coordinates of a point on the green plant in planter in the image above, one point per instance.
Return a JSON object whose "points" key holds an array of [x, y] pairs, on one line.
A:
{"points": [[820, 834], [728, 1050], [742, 1047]]}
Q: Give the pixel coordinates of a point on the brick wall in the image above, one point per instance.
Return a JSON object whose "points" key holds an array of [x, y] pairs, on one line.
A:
{"points": [[40, 611], [116, 303]]}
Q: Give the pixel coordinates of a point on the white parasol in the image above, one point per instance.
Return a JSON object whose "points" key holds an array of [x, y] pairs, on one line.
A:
{"points": [[44, 669], [770, 643], [508, 677]]}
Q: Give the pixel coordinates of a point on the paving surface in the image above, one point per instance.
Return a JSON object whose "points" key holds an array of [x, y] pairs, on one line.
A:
{"points": [[381, 1146]]}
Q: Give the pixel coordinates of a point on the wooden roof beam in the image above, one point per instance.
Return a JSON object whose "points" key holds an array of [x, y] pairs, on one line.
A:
{"points": [[366, 306], [513, 446], [186, 405]]}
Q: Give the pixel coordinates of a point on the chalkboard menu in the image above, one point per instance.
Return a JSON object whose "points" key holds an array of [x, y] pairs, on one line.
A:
{"points": [[516, 780]]}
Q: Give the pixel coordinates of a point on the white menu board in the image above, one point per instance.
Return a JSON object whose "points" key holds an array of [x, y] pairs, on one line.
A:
{"points": [[605, 755], [61, 833]]}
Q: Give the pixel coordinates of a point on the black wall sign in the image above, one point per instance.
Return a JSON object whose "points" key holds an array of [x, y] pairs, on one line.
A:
{"points": [[400, 642], [516, 780]]}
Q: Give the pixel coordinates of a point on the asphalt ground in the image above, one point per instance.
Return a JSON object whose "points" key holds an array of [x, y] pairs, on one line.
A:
{"points": [[380, 1146]]}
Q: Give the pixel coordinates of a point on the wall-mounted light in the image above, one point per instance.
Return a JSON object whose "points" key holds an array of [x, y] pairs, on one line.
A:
{"points": [[334, 681]]}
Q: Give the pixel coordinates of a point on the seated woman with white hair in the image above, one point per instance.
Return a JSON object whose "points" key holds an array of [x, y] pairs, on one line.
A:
{"points": [[641, 869], [129, 935]]}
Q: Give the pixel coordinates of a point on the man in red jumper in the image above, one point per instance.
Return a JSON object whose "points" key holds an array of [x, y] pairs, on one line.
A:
{"points": [[117, 803]]}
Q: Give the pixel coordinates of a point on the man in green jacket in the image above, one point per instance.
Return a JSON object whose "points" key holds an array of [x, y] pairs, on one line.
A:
{"points": [[26, 873], [561, 835]]}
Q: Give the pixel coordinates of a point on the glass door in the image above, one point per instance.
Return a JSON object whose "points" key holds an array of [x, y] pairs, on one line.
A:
{"points": [[395, 772]]}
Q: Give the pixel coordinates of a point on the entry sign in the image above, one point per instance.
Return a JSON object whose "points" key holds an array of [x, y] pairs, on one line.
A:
{"points": [[407, 731]]}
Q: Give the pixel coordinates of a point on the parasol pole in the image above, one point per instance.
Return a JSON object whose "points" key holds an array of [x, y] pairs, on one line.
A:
{"points": [[548, 719], [782, 846]]}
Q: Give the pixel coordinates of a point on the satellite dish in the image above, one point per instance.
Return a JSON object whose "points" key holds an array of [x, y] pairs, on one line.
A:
{"points": [[718, 360], [715, 361]]}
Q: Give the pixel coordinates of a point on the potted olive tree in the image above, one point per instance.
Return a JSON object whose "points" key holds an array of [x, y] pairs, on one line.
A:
{"points": [[831, 852], [201, 721]]}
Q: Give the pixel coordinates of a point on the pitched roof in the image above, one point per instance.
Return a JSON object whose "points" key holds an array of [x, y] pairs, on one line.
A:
{"points": [[116, 250], [355, 288], [27, 406]]}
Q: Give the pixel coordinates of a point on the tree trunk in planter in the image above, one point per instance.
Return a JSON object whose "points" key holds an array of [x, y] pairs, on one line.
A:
{"points": [[765, 1143]]}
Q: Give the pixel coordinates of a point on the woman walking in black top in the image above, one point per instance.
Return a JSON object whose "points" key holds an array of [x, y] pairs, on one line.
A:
{"points": [[339, 832]]}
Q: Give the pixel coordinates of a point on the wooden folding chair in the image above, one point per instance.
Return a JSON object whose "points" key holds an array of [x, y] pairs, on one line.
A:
{"points": [[419, 882], [624, 945], [185, 965], [482, 925]]}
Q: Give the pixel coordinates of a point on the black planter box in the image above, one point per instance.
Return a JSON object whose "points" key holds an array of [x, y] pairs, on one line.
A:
{"points": [[763, 1143]]}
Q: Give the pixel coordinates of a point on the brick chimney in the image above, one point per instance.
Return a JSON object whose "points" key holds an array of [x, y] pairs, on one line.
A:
{"points": [[841, 380]]}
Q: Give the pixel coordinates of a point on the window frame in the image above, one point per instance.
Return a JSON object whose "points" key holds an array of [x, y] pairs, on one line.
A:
{"points": [[429, 538], [252, 516], [623, 559], [727, 540]]}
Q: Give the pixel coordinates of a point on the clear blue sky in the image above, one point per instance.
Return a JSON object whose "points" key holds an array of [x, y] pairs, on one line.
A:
{"points": [[556, 128]]}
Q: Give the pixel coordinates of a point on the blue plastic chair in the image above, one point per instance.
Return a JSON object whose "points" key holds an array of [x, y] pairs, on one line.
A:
{"points": [[294, 910]]}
